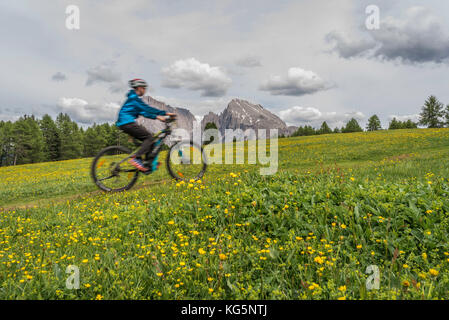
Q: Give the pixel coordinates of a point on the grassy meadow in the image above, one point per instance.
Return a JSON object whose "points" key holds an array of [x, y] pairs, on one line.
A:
{"points": [[338, 204]]}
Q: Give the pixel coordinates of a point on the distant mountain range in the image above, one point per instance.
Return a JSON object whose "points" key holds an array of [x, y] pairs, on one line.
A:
{"points": [[239, 114]]}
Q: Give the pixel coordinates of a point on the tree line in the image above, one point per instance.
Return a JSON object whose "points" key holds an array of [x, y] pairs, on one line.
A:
{"points": [[433, 115], [32, 140]]}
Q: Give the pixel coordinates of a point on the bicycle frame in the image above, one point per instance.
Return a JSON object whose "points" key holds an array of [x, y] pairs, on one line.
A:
{"points": [[159, 137], [150, 161]]}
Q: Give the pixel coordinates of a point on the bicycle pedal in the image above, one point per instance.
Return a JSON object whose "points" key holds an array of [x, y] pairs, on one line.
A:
{"points": [[148, 172]]}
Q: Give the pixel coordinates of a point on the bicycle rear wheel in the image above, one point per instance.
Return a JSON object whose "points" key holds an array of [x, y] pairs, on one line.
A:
{"points": [[186, 161], [111, 171]]}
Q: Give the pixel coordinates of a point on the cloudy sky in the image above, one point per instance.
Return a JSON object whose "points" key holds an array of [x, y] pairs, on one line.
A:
{"points": [[305, 60]]}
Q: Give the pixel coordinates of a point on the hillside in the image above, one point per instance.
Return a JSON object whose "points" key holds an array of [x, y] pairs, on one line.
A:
{"points": [[338, 204]]}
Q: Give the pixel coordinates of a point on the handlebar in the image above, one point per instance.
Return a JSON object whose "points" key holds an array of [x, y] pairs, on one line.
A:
{"points": [[171, 119]]}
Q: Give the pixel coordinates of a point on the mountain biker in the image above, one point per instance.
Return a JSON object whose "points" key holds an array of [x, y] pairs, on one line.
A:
{"points": [[131, 109]]}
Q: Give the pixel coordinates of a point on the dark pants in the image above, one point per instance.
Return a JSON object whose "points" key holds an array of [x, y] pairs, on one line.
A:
{"points": [[140, 133]]}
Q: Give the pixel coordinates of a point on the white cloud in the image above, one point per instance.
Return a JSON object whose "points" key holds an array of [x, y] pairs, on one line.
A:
{"points": [[350, 45], [413, 117], [298, 115], [105, 73], [418, 37], [8, 117], [84, 112], [194, 75], [297, 82]]}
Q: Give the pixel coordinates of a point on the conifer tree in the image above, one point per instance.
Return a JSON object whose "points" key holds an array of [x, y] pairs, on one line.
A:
{"points": [[431, 113], [373, 123]]}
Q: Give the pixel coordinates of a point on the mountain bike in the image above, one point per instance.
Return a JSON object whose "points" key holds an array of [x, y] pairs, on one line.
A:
{"points": [[185, 161]]}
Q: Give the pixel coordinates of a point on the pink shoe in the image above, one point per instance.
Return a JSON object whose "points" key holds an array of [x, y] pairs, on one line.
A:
{"points": [[137, 163]]}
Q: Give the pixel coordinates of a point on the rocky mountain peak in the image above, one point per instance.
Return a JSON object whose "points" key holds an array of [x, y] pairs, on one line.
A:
{"points": [[242, 114], [185, 118], [239, 114]]}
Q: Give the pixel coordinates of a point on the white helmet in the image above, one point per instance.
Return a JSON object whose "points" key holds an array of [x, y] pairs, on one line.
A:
{"points": [[135, 83]]}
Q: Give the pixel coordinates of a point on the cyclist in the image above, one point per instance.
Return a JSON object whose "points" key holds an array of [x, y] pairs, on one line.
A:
{"points": [[133, 108]]}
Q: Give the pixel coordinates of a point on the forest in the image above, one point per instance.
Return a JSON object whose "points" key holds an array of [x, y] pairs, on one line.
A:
{"points": [[32, 140]]}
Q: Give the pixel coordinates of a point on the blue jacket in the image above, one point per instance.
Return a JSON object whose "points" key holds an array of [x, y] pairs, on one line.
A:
{"points": [[134, 107]]}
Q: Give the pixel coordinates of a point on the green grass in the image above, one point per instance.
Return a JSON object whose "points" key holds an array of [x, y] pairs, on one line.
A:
{"points": [[338, 204]]}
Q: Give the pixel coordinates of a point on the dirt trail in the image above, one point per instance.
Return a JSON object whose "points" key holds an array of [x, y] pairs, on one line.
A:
{"points": [[61, 199]]}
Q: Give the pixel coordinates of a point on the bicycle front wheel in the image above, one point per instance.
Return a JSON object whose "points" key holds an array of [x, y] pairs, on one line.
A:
{"points": [[186, 161], [111, 171]]}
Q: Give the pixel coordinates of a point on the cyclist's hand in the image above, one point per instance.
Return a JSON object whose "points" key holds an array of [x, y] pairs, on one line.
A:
{"points": [[161, 118], [173, 115]]}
